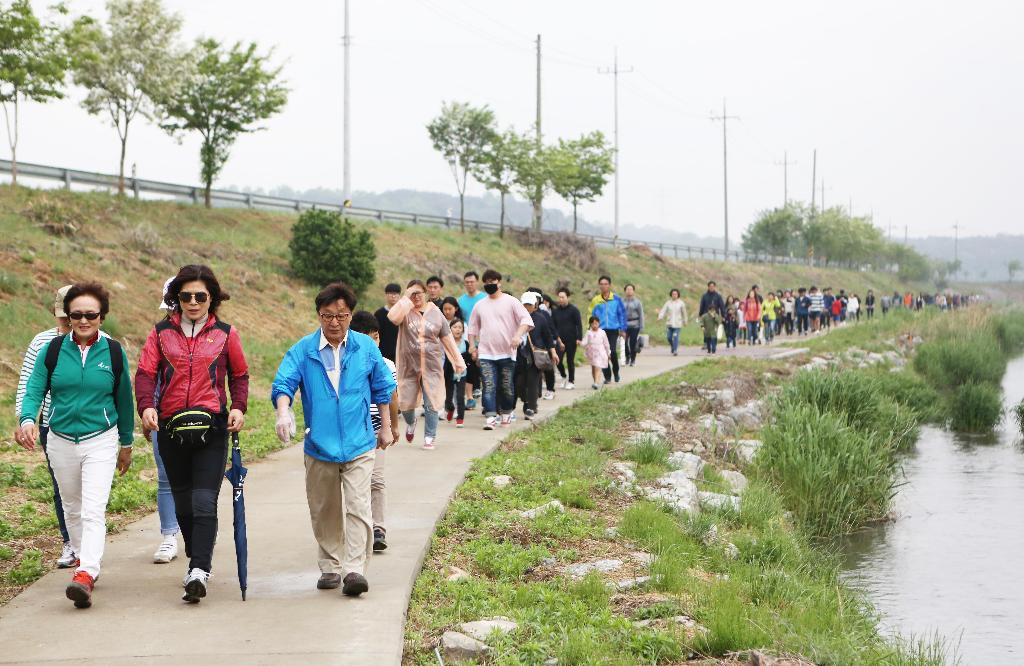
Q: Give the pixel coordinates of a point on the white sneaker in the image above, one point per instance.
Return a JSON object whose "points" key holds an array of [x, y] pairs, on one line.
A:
{"points": [[564, 384], [594, 386], [195, 585], [492, 423], [428, 443], [506, 420], [67, 557], [549, 395], [569, 386], [168, 549]]}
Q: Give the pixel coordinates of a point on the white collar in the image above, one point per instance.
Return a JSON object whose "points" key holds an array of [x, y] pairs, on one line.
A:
{"points": [[324, 342]]}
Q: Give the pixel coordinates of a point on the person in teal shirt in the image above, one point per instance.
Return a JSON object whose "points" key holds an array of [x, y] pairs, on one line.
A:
{"points": [[467, 301]]}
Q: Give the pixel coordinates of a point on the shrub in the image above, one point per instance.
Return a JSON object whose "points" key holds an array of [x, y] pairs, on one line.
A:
{"points": [[11, 283], [326, 248], [832, 475], [1009, 331], [54, 216], [908, 389], [1019, 410], [648, 451], [29, 569], [142, 237], [966, 358], [505, 561], [976, 408]]}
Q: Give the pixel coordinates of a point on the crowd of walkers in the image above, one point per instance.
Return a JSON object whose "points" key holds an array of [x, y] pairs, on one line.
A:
{"points": [[360, 375]]}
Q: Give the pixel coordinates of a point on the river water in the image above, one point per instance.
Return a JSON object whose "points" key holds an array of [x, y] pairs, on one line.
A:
{"points": [[953, 561]]}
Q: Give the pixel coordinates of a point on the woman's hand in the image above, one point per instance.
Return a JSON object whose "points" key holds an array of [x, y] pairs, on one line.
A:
{"points": [[124, 459], [150, 419], [236, 420], [22, 436]]}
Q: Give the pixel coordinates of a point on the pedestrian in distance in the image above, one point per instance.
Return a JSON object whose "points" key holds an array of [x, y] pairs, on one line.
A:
{"points": [[467, 301], [528, 369], [597, 350], [730, 324], [434, 288], [608, 307], [387, 330], [673, 311], [91, 423], [569, 326], [709, 322], [634, 322], [339, 373]]}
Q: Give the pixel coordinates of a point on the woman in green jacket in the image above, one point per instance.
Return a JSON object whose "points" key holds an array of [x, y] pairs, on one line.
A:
{"points": [[92, 418]]}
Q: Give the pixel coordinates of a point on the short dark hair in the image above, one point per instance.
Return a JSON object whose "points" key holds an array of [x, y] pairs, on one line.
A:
{"points": [[191, 273], [564, 290], [336, 291], [593, 319], [473, 273], [628, 285], [364, 322], [393, 288], [453, 301], [491, 274], [94, 289], [604, 277], [434, 278], [536, 290], [802, 290], [711, 282], [673, 290]]}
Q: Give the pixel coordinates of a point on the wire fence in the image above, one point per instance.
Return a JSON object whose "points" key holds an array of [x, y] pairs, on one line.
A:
{"points": [[139, 188]]}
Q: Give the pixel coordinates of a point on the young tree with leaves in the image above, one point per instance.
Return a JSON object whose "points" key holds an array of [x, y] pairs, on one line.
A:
{"points": [[533, 172], [228, 93], [127, 64], [461, 133], [497, 167], [1013, 267], [580, 169], [33, 63]]}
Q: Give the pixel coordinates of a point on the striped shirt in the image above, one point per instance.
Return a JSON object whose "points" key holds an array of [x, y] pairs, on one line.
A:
{"points": [[38, 344], [374, 412], [817, 302]]}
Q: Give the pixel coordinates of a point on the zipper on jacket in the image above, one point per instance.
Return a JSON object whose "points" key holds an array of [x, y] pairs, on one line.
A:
{"points": [[106, 417]]}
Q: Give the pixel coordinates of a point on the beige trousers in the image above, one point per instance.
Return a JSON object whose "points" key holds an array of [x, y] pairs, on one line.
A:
{"points": [[378, 491], [338, 495]]}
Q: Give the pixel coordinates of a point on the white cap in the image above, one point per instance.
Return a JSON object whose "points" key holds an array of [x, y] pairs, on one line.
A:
{"points": [[163, 301], [58, 301], [529, 298]]}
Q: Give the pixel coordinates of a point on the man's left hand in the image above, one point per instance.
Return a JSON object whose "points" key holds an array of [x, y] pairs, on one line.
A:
{"points": [[236, 420]]}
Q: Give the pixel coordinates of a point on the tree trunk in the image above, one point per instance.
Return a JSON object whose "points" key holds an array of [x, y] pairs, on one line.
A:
{"points": [[574, 217], [462, 212], [120, 172], [501, 221], [12, 139], [538, 210], [206, 193], [14, 166]]}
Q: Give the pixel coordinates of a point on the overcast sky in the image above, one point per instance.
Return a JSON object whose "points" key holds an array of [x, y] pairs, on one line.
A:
{"points": [[915, 107]]}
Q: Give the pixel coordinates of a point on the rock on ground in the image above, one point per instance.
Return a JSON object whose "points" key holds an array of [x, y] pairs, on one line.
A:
{"points": [[747, 417], [689, 464], [719, 501], [736, 480], [553, 505], [500, 481], [481, 630], [652, 427], [460, 647], [676, 490], [745, 449], [581, 569], [457, 574], [631, 583]]}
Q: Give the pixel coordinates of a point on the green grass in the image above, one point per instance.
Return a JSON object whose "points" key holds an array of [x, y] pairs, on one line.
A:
{"points": [[1019, 413], [976, 408], [29, 569]]}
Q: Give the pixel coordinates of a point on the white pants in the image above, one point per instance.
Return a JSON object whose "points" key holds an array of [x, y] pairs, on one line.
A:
{"points": [[84, 474]]}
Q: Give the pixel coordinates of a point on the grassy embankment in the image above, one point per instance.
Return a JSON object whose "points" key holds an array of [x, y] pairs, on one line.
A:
{"points": [[134, 246], [828, 465]]}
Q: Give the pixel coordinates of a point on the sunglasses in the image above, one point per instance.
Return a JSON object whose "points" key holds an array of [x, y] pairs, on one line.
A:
{"points": [[91, 316], [187, 296]]}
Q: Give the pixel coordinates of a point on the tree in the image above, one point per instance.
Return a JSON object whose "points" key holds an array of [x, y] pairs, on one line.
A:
{"points": [[580, 169], [128, 64], [1013, 267], [33, 63], [496, 169], [326, 248], [228, 93], [461, 134], [777, 232], [533, 167]]}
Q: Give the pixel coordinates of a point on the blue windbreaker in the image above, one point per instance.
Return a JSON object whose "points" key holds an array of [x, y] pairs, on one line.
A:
{"points": [[612, 312], [338, 427]]}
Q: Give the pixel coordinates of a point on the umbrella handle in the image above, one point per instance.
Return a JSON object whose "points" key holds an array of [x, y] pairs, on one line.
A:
{"points": [[234, 440]]}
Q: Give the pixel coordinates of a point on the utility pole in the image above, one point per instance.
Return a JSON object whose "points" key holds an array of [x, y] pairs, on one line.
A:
{"points": [[814, 178], [905, 235], [615, 71], [785, 177], [956, 242], [725, 118], [538, 204], [346, 41]]}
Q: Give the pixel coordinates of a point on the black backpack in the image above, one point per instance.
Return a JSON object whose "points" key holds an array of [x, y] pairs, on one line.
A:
{"points": [[116, 361]]}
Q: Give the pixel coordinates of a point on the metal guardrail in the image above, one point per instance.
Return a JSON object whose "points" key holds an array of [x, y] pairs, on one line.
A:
{"points": [[227, 198]]}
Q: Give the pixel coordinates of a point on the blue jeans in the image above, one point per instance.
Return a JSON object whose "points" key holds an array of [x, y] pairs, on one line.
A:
{"points": [[58, 506], [429, 418], [164, 498], [499, 395], [673, 339], [752, 332]]}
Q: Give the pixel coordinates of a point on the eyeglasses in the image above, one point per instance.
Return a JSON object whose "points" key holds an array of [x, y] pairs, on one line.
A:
{"points": [[187, 296], [327, 317], [417, 293], [91, 316]]}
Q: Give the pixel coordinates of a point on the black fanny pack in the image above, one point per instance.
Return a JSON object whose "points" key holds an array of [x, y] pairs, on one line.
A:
{"points": [[190, 427]]}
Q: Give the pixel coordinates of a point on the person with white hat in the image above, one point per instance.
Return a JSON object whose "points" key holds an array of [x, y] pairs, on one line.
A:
{"points": [[168, 548], [528, 374], [39, 342]]}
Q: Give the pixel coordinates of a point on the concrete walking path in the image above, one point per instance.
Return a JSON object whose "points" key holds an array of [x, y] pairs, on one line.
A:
{"points": [[138, 617]]}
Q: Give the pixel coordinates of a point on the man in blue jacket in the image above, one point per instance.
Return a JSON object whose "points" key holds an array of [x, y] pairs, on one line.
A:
{"points": [[341, 373], [609, 308]]}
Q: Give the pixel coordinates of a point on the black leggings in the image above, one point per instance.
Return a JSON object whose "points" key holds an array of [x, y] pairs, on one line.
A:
{"points": [[195, 476], [613, 367], [527, 381], [454, 395], [567, 357], [632, 344]]}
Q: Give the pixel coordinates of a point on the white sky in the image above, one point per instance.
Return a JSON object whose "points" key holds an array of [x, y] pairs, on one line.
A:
{"points": [[915, 107]]}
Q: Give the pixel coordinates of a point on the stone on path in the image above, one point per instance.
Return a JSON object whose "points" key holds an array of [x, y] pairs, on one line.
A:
{"points": [[719, 501], [481, 630], [460, 647], [581, 569], [736, 480], [689, 464], [553, 505], [500, 481]]}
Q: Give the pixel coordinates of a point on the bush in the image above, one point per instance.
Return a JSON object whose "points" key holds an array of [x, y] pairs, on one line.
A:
{"points": [[907, 388], [1009, 331], [967, 358], [833, 476], [1019, 409], [976, 408], [326, 248], [54, 216]]}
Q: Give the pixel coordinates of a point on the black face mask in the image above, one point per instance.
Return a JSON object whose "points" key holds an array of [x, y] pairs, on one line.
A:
{"points": [[491, 288]]}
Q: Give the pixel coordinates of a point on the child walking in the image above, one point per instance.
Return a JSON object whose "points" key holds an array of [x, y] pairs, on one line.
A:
{"points": [[455, 383], [709, 321], [597, 350]]}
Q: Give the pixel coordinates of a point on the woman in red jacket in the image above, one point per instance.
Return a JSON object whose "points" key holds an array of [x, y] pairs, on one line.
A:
{"points": [[193, 353], [752, 315]]}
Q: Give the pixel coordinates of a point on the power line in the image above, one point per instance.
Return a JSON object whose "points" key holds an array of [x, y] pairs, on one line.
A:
{"points": [[785, 177], [615, 71], [725, 118], [346, 122]]}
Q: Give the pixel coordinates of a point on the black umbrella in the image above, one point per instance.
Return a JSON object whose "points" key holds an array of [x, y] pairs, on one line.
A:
{"points": [[236, 475]]}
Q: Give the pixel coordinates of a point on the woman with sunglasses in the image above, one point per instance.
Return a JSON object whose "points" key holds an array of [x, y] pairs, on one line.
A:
{"points": [[91, 425], [191, 354], [424, 339]]}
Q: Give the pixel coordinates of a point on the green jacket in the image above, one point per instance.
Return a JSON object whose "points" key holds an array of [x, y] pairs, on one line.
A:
{"points": [[82, 401]]}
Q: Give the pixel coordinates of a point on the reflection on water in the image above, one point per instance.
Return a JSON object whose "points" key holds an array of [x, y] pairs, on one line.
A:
{"points": [[953, 561]]}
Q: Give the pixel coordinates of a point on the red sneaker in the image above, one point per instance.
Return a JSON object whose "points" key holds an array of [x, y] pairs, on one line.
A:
{"points": [[80, 589], [458, 423], [449, 414]]}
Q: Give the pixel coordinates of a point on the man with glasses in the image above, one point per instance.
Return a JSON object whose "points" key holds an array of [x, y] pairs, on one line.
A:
{"points": [[340, 373], [467, 302], [611, 311]]}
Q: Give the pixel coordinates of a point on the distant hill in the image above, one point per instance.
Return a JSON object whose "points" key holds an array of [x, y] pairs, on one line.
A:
{"points": [[984, 258]]}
